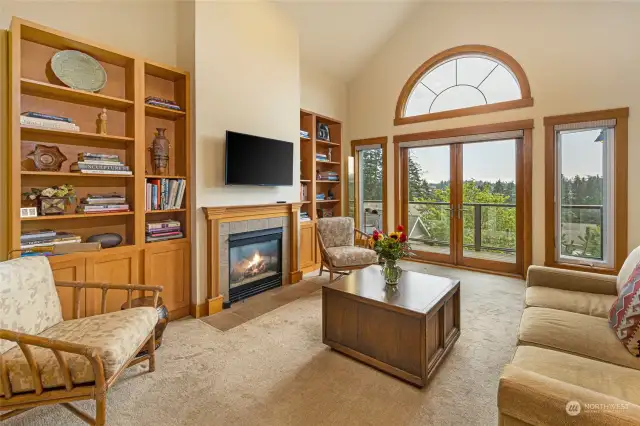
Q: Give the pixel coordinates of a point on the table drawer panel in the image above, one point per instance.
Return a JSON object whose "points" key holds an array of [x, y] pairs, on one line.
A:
{"points": [[341, 313]]}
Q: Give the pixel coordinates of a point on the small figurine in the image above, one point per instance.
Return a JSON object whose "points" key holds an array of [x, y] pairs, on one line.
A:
{"points": [[102, 122], [318, 175], [330, 195], [329, 154]]}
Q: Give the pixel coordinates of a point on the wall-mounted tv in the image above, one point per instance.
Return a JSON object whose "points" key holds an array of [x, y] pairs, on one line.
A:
{"points": [[254, 160]]}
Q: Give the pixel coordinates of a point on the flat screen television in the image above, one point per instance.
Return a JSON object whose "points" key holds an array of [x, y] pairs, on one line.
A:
{"points": [[254, 160]]}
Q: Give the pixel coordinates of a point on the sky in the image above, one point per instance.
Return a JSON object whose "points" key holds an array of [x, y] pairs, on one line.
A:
{"points": [[493, 160]]}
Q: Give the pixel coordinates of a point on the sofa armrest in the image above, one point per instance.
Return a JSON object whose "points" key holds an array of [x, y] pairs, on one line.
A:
{"points": [[536, 399], [58, 347], [129, 288], [565, 279]]}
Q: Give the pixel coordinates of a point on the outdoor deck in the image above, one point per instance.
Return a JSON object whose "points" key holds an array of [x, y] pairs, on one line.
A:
{"points": [[486, 255]]}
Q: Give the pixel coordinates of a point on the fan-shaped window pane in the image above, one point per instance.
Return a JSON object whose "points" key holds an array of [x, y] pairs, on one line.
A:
{"points": [[462, 82], [500, 86], [457, 97], [420, 100]]}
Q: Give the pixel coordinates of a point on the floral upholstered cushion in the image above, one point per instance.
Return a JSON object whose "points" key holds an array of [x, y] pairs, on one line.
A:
{"points": [[624, 316], [352, 256], [336, 231], [29, 301], [115, 336]]}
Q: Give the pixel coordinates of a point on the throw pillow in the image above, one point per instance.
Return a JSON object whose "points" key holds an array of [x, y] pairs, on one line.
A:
{"points": [[624, 316]]}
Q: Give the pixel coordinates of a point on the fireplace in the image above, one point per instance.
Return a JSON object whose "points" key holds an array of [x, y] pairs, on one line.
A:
{"points": [[255, 262]]}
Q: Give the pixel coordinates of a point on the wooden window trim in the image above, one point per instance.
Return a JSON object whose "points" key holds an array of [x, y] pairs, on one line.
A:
{"points": [[382, 141], [621, 165], [400, 163], [499, 55]]}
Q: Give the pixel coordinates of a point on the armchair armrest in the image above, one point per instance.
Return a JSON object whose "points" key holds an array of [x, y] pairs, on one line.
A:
{"points": [[360, 238], [564, 279], [129, 288], [24, 341], [536, 399]]}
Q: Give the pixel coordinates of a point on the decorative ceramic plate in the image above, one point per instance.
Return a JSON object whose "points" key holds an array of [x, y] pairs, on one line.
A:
{"points": [[79, 70]]}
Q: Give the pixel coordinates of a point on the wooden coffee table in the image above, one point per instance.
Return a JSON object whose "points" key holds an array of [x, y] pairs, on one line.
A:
{"points": [[406, 332]]}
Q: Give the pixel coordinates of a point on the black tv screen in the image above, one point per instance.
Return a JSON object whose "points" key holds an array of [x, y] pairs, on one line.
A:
{"points": [[254, 160]]}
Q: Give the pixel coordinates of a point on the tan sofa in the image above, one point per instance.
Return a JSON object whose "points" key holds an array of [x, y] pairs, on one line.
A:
{"points": [[567, 352]]}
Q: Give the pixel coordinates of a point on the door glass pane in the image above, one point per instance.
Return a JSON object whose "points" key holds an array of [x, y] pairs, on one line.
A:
{"points": [[429, 181], [582, 185], [370, 164], [489, 200]]}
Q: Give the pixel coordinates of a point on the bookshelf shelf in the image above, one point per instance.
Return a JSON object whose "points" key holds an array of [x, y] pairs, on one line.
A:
{"points": [[327, 162], [305, 180], [76, 216], [327, 181], [327, 201], [164, 177], [319, 142], [75, 175], [131, 125], [165, 211], [68, 137], [305, 202], [164, 113], [66, 94]]}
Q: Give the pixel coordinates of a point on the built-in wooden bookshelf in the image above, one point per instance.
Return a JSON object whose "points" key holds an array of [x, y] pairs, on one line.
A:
{"points": [[310, 166], [130, 131]]}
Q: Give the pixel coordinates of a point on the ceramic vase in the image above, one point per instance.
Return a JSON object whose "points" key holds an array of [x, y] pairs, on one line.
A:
{"points": [[160, 153]]}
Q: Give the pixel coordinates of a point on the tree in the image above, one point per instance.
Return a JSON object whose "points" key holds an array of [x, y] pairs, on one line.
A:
{"points": [[418, 186], [371, 174]]}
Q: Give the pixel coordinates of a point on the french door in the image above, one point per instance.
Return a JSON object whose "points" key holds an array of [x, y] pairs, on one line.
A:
{"points": [[462, 203]]}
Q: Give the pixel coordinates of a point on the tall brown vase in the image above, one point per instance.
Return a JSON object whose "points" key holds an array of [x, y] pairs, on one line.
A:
{"points": [[160, 153]]}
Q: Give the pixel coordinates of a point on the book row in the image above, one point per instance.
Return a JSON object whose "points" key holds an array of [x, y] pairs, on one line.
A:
{"points": [[164, 194]]}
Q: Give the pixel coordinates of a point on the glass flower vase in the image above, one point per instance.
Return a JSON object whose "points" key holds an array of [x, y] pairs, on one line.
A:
{"points": [[391, 272]]}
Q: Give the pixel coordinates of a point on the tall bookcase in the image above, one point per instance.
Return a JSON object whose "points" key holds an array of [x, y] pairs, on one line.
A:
{"points": [[130, 130], [310, 165]]}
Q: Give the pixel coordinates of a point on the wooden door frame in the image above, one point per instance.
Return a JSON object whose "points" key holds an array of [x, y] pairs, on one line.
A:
{"points": [[383, 142], [524, 245]]}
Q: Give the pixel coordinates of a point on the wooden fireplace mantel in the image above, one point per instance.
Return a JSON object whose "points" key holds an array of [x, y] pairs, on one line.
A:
{"points": [[219, 214]]}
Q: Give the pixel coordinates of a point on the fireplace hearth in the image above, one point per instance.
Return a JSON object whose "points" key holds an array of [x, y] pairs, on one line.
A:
{"points": [[255, 262]]}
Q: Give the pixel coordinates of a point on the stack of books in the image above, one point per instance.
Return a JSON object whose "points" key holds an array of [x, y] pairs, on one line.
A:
{"points": [[164, 103], [304, 217], [46, 121], [163, 230], [102, 203], [304, 134], [100, 164], [43, 240], [321, 157], [165, 194], [319, 196], [303, 192], [329, 175]]}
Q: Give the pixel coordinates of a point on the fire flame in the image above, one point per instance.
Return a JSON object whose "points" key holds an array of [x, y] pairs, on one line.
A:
{"points": [[256, 259]]}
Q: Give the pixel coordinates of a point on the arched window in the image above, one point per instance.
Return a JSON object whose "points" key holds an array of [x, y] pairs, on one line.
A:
{"points": [[461, 81]]}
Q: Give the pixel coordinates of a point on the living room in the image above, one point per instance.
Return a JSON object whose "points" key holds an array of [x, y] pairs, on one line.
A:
{"points": [[406, 156]]}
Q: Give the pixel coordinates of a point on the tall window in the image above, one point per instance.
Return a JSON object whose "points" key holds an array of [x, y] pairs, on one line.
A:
{"points": [[462, 81], [587, 191], [367, 180]]}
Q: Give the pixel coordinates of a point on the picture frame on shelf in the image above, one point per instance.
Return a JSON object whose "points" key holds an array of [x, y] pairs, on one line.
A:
{"points": [[27, 212]]}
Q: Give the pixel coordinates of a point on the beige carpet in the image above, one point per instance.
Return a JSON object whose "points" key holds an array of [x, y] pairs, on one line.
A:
{"points": [[274, 370]]}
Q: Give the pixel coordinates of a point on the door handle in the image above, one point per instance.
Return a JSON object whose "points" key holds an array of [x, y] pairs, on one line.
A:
{"points": [[459, 211]]}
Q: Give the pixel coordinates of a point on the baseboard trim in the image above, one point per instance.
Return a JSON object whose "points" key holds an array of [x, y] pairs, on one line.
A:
{"points": [[179, 313], [294, 277]]}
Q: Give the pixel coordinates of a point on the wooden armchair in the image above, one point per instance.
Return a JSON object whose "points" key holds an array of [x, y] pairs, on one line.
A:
{"points": [[343, 247], [45, 360]]}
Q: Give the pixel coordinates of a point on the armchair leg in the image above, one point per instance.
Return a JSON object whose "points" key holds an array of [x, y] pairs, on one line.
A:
{"points": [[330, 275], [321, 270], [101, 409], [151, 350]]}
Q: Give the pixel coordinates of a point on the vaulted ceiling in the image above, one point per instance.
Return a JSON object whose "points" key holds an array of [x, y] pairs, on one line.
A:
{"points": [[339, 36]]}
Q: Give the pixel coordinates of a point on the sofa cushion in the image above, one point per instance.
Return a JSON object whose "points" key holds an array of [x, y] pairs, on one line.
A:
{"points": [[29, 301], [336, 231], [583, 335], [609, 379], [624, 317], [627, 268], [352, 256], [579, 302], [115, 336]]}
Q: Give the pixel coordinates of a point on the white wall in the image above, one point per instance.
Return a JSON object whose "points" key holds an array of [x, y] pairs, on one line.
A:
{"points": [[247, 63], [578, 57]]}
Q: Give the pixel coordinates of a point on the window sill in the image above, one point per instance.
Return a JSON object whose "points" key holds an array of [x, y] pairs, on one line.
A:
{"points": [[480, 109], [582, 268]]}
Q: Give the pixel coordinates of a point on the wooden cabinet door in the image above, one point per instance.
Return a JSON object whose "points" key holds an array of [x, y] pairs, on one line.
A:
{"points": [[307, 245], [69, 270], [168, 265], [121, 267]]}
